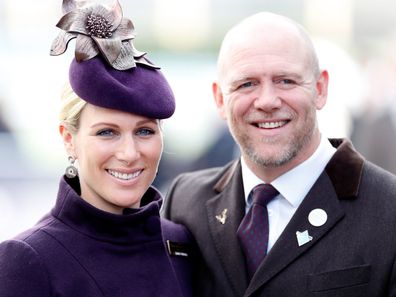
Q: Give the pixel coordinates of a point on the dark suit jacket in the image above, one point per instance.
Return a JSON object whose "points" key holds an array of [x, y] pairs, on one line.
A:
{"points": [[353, 254]]}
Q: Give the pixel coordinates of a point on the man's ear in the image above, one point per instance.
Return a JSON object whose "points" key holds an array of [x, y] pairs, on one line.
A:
{"points": [[67, 138], [321, 89], [219, 100]]}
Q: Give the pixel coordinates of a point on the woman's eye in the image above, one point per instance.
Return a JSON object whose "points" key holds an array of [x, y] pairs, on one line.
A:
{"points": [[105, 132], [145, 132]]}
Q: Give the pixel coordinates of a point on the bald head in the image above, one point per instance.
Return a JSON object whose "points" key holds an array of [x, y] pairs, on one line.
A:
{"points": [[266, 29]]}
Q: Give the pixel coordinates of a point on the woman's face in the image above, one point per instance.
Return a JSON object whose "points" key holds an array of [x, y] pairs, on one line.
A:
{"points": [[118, 155]]}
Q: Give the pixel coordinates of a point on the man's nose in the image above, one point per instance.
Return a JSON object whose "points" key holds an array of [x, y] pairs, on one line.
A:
{"points": [[267, 98]]}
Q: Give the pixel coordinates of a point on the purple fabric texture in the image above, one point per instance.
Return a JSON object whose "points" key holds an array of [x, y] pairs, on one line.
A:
{"points": [[140, 90], [79, 251]]}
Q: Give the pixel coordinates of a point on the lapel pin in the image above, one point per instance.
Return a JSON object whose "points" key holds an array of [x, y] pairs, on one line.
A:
{"points": [[303, 237], [222, 217], [317, 217]]}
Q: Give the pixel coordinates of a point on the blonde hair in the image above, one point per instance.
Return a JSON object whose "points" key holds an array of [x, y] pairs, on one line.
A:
{"points": [[71, 108]]}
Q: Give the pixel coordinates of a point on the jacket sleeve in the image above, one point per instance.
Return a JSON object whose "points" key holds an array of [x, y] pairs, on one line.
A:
{"points": [[21, 271]]}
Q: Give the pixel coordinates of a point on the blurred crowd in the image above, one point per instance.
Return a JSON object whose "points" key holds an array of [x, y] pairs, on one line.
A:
{"points": [[374, 123]]}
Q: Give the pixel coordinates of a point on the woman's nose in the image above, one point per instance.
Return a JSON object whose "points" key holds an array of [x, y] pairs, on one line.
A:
{"points": [[128, 150]]}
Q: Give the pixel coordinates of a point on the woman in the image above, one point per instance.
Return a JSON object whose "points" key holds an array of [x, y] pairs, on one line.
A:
{"points": [[104, 236]]}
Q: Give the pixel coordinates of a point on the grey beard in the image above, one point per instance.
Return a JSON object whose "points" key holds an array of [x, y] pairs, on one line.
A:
{"points": [[283, 157], [280, 160]]}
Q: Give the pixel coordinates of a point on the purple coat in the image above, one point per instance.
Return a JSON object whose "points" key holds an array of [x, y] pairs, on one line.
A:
{"points": [[78, 250]]}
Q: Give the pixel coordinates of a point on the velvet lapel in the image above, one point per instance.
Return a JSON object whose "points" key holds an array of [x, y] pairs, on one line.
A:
{"points": [[339, 181], [230, 197]]}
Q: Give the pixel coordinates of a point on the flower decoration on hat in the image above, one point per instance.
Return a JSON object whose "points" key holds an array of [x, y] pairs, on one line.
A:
{"points": [[98, 29]]}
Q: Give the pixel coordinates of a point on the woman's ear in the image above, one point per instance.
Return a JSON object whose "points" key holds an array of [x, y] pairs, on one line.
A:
{"points": [[67, 138]]}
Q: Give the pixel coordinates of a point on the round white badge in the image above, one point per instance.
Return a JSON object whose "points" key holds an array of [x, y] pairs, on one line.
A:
{"points": [[317, 217]]}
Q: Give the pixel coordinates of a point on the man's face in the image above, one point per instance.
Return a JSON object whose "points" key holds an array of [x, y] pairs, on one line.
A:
{"points": [[269, 94]]}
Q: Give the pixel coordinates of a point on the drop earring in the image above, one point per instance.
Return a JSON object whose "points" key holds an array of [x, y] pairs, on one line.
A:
{"points": [[71, 170]]}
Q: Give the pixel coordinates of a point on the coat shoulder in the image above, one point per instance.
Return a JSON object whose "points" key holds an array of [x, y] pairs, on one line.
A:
{"points": [[37, 234], [22, 272], [190, 190], [377, 174], [379, 183], [201, 179]]}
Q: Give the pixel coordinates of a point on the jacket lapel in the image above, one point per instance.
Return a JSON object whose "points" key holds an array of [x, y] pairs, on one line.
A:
{"points": [[339, 181], [286, 249], [225, 212]]}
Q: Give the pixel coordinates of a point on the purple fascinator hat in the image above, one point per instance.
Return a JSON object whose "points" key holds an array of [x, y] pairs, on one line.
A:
{"points": [[108, 71]]}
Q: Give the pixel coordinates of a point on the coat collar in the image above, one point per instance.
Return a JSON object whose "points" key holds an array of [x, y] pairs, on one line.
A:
{"points": [[344, 169], [134, 225], [339, 181]]}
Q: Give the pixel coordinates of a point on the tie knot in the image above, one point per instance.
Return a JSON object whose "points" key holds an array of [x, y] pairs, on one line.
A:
{"points": [[263, 194]]}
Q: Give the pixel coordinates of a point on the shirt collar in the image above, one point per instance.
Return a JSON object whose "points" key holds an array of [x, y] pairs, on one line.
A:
{"points": [[295, 184]]}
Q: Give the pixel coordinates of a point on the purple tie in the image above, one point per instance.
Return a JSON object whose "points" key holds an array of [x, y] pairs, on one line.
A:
{"points": [[254, 228]]}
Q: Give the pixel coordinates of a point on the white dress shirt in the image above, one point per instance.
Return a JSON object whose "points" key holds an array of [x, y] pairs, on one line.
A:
{"points": [[292, 186]]}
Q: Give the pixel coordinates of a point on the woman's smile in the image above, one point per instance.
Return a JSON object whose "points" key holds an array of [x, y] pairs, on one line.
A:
{"points": [[123, 175]]}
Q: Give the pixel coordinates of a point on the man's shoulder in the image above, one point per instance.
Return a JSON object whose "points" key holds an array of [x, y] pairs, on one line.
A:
{"points": [[191, 190], [208, 176], [374, 175]]}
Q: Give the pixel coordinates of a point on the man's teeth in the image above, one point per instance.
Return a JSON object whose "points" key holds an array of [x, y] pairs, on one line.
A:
{"points": [[124, 176], [271, 125]]}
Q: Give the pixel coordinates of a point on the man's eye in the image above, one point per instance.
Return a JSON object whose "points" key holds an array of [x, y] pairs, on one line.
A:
{"points": [[246, 85], [287, 81], [145, 132], [105, 132]]}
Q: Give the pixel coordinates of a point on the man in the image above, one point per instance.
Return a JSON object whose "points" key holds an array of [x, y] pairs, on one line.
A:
{"points": [[332, 223]]}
